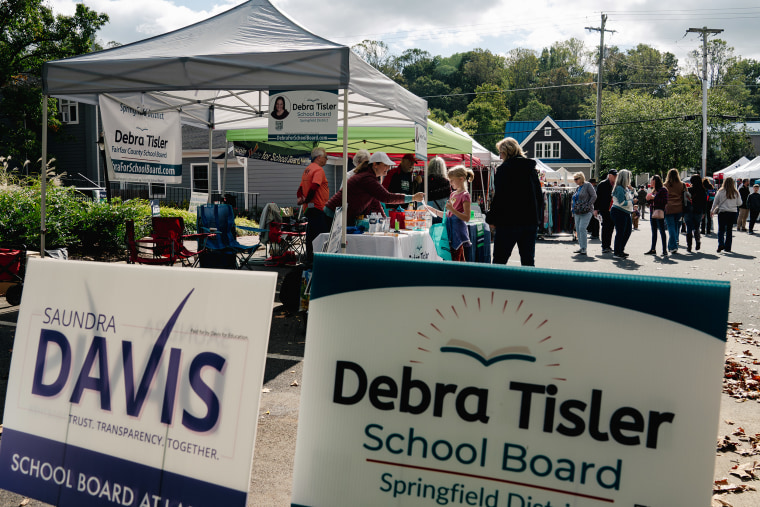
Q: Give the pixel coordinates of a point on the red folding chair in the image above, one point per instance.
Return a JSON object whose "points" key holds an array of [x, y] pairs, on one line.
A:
{"points": [[12, 269]]}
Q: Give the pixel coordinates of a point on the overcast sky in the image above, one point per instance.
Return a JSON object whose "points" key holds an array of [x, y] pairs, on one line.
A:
{"points": [[444, 27]]}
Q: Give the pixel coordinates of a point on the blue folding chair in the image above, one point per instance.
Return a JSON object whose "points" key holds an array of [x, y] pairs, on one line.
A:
{"points": [[219, 219]]}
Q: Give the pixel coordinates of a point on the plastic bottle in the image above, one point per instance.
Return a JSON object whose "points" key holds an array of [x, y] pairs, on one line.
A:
{"points": [[373, 223]]}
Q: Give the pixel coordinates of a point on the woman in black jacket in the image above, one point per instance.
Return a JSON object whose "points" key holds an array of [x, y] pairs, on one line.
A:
{"points": [[695, 211], [517, 206]]}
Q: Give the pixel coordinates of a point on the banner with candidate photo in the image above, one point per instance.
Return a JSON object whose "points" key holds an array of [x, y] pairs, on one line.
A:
{"points": [[303, 115], [452, 384], [141, 145], [144, 396]]}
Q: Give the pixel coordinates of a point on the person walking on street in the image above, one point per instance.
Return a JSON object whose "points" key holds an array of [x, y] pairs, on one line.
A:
{"points": [[622, 208], [674, 209], [602, 209], [707, 220], [753, 204], [658, 199], [313, 193], [741, 224], [583, 208], [517, 206], [693, 215], [642, 204], [593, 224], [726, 203]]}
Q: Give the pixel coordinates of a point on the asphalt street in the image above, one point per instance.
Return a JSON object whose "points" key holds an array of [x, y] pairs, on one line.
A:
{"points": [[275, 442]]}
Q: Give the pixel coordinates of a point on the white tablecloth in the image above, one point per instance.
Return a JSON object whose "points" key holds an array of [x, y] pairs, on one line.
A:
{"points": [[407, 245]]}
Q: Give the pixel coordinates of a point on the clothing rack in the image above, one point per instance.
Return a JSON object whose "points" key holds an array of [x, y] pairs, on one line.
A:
{"points": [[558, 215]]}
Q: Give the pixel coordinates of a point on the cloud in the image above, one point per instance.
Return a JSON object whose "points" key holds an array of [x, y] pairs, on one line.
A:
{"points": [[443, 27]]}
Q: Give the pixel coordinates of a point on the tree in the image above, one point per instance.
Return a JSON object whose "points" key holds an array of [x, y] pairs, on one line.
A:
{"points": [[377, 54], [480, 67], [645, 133], [522, 73], [29, 36], [743, 76], [641, 68], [720, 56], [534, 110], [486, 116]]}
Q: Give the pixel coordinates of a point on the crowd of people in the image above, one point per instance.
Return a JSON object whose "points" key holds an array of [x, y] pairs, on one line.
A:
{"points": [[516, 209], [673, 206], [369, 186]]}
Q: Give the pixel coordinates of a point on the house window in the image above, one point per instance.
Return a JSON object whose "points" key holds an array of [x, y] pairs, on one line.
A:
{"points": [[157, 190], [200, 177], [547, 132], [69, 111], [548, 149]]}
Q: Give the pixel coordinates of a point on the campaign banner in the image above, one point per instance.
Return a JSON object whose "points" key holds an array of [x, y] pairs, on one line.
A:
{"points": [[197, 199], [135, 385], [271, 153], [420, 140], [303, 115], [141, 145], [449, 384]]}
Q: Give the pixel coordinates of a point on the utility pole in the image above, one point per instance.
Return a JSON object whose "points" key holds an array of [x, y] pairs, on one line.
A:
{"points": [[597, 129], [704, 31]]}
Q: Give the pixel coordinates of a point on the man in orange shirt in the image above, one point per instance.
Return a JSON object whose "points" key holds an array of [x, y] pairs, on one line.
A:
{"points": [[314, 192]]}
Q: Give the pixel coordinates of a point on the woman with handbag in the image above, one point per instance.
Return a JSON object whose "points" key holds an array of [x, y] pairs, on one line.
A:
{"points": [[658, 199], [583, 208]]}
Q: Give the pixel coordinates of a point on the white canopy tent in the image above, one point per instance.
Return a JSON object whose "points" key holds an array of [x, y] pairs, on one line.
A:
{"points": [[732, 167], [546, 171], [218, 74], [750, 170]]}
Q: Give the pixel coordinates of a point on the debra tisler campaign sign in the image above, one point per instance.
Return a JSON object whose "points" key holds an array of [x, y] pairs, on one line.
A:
{"points": [[135, 385], [453, 384]]}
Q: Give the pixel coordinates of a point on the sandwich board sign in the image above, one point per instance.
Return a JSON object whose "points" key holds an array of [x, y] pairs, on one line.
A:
{"points": [[135, 385], [492, 386]]}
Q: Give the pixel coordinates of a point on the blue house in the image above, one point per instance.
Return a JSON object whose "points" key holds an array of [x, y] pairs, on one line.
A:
{"points": [[560, 143]]}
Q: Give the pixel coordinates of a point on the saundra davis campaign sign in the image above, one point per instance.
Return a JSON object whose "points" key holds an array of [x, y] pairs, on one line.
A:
{"points": [[141, 145], [449, 384], [135, 385]]}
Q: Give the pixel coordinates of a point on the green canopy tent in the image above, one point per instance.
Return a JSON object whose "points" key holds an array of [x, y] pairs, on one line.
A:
{"points": [[387, 139]]}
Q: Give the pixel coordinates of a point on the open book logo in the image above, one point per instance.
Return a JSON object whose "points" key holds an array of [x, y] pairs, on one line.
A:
{"points": [[522, 336], [515, 353]]}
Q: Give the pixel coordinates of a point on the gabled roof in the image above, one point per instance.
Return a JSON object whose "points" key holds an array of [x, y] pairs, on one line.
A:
{"points": [[219, 71], [575, 131]]}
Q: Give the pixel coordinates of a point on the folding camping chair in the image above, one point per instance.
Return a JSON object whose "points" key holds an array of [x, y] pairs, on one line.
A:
{"points": [[165, 244], [12, 270], [219, 219], [171, 231], [285, 238]]}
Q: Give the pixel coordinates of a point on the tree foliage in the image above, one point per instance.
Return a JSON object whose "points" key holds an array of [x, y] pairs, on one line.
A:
{"points": [[645, 133], [30, 34]]}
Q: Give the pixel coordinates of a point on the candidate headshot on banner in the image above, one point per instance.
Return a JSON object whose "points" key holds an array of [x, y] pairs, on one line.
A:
{"points": [[280, 111]]}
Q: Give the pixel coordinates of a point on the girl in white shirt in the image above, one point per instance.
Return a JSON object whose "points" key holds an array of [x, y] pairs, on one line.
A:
{"points": [[726, 204]]}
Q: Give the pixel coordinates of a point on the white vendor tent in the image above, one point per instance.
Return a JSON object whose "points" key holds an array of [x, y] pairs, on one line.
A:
{"points": [[547, 172], [735, 165], [750, 170], [218, 73]]}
